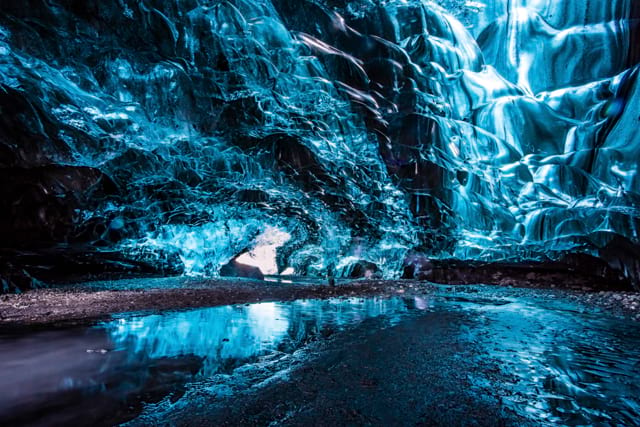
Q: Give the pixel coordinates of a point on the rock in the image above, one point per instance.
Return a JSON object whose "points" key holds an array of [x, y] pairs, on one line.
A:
{"points": [[417, 266], [38, 205], [236, 269], [363, 270], [25, 270], [16, 279]]}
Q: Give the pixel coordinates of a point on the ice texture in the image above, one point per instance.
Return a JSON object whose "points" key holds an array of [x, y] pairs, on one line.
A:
{"points": [[365, 129]]}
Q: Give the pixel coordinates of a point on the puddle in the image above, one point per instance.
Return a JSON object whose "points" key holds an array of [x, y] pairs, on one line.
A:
{"points": [[118, 362], [549, 360], [230, 335]]}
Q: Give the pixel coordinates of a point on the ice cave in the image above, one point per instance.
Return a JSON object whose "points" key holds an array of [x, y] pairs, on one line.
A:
{"points": [[319, 212]]}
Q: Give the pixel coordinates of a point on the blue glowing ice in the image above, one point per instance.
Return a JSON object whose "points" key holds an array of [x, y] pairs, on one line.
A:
{"points": [[485, 130]]}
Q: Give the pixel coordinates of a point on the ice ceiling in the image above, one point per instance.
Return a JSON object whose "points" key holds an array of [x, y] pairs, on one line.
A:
{"points": [[193, 130]]}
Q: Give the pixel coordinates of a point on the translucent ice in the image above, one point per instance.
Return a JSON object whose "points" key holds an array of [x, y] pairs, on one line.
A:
{"points": [[491, 130]]}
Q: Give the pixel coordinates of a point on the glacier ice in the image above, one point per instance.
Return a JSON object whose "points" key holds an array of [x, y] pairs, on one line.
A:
{"points": [[364, 129]]}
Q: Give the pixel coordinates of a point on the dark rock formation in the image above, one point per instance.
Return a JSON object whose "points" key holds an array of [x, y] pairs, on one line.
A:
{"points": [[236, 269], [363, 269]]}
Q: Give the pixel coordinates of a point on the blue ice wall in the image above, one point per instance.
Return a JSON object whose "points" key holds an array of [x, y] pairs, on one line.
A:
{"points": [[183, 129]]}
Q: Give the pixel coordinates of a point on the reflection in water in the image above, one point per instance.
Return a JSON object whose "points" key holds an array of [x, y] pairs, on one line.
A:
{"points": [[563, 366], [240, 332], [556, 363], [104, 375]]}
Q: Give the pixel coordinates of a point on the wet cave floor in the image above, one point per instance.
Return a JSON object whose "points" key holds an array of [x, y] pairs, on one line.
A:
{"points": [[183, 352]]}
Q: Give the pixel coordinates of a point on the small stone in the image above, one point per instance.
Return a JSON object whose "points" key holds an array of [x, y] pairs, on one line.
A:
{"points": [[99, 351]]}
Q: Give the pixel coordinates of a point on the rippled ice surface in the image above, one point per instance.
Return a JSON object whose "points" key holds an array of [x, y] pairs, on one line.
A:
{"points": [[545, 359], [183, 132]]}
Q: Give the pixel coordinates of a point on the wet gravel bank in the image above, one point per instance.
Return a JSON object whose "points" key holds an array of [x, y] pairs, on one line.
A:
{"points": [[74, 305], [83, 304]]}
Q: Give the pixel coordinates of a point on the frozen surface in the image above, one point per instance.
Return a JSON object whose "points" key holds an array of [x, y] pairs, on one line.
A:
{"points": [[485, 130]]}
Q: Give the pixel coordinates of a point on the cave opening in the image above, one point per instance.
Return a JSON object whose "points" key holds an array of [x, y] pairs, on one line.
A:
{"points": [[266, 212]]}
